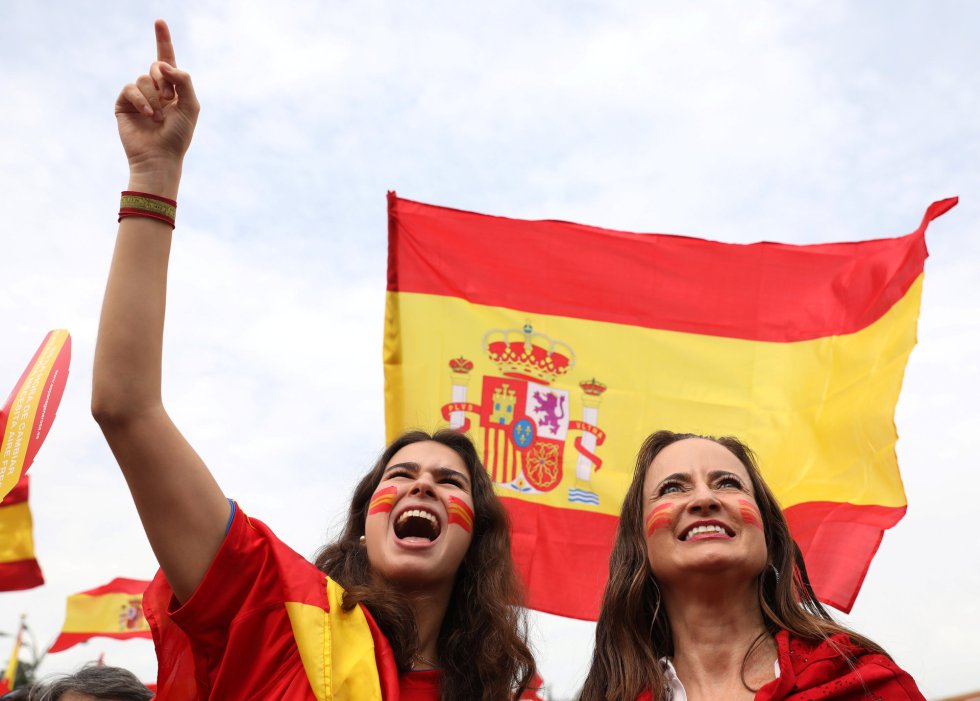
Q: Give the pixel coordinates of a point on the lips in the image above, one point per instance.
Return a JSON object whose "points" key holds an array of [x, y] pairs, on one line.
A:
{"points": [[706, 530]]}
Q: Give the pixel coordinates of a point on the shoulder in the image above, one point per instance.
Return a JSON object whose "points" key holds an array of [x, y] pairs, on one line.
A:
{"points": [[838, 666]]}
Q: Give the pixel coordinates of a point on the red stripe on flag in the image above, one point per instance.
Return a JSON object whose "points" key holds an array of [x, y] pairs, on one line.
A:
{"points": [[838, 542], [546, 552], [120, 585], [20, 574], [542, 549], [67, 640], [760, 291]]}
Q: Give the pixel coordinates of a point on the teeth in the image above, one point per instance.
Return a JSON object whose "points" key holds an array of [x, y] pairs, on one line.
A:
{"points": [[419, 514], [704, 529]]}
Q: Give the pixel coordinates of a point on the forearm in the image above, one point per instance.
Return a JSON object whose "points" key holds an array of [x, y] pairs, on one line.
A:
{"points": [[128, 352]]}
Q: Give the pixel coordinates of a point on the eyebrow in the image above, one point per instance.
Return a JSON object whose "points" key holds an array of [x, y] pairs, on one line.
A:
{"points": [[440, 471], [686, 477]]}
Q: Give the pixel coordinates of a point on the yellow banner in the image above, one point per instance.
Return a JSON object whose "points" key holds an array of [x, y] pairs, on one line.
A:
{"points": [[33, 393], [621, 383]]}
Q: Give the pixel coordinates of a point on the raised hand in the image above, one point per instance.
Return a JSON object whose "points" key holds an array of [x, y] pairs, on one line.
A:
{"points": [[156, 117]]}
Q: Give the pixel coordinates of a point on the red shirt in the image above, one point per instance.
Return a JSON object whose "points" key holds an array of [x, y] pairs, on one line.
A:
{"points": [[232, 639]]}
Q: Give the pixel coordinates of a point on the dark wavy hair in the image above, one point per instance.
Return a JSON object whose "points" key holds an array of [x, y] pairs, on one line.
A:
{"points": [[483, 644], [633, 631]]}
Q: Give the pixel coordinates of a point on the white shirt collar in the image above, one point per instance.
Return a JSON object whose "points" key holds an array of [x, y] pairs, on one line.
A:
{"points": [[673, 682]]}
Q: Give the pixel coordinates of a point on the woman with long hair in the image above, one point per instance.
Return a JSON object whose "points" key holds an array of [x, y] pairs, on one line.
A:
{"points": [[417, 600], [708, 595]]}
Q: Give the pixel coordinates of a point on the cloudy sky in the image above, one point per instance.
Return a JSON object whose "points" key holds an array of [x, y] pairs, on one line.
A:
{"points": [[741, 121]]}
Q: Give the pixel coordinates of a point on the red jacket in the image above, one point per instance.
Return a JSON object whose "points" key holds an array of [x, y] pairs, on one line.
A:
{"points": [[816, 671]]}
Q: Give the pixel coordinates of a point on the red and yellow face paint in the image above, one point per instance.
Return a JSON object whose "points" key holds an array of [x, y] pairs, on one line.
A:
{"points": [[660, 517], [749, 513], [461, 514], [383, 501]]}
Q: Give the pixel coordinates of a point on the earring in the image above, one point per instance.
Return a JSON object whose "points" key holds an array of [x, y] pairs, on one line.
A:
{"points": [[362, 540], [775, 572]]}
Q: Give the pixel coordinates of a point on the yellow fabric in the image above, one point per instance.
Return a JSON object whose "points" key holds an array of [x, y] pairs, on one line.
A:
{"points": [[16, 533], [819, 413], [102, 613], [336, 648]]}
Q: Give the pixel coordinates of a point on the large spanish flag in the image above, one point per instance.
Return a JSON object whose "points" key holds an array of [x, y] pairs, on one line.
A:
{"points": [[559, 347], [27, 416], [114, 610], [18, 566]]}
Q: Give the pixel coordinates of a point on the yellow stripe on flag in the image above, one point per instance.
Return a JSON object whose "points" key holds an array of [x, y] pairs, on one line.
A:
{"points": [[103, 613], [783, 399], [16, 533]]}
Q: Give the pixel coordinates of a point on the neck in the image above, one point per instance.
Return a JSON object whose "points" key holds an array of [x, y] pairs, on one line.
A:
{"points": [[713, 625], [429, 607]]}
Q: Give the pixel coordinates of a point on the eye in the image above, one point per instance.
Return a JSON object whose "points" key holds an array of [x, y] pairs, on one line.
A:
{"points": [[455, 481], [398, 473], [670, 488], [729, 482]]}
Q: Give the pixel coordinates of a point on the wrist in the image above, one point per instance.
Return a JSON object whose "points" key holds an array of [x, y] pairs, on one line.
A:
{"points": [[163, 180]]}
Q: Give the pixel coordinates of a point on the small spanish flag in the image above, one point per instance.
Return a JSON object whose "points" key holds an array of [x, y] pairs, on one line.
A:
{"points": [[559, 347], [10, 672], [114, 610], [18, 566], [27, 416]]}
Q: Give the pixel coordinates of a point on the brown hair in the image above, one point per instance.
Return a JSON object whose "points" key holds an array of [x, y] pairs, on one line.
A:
{"points": [[483, 642], [633, 631]]}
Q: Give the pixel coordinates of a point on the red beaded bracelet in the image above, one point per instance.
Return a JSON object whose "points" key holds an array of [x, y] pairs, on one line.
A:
{"points": [[143, 204]]}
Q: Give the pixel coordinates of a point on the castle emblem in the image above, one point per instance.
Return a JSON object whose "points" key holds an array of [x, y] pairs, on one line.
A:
{"points": [[525, 417]]}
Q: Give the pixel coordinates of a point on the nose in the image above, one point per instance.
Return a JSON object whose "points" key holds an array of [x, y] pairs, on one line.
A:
{"points": [[423, 485], [703, 500]]}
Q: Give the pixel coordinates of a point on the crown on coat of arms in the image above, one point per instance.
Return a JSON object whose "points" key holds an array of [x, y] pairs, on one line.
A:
{"points": [[592, 387], [524, 354], [461, 365]]}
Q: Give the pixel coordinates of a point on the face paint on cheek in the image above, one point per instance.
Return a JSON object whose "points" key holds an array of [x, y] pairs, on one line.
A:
{"points": [[750, 513], [661, 517], [382, 501], [461, 514]]}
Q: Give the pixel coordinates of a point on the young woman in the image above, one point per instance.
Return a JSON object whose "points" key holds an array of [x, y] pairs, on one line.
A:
{"points": [[708, 596], [418, 598]]}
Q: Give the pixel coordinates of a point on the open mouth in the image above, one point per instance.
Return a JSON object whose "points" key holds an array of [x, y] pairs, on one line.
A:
{"points": [[416, 525], [707, 530]]}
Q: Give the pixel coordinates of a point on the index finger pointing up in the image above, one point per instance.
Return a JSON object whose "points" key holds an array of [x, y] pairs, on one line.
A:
{"points": [[165, 45]]}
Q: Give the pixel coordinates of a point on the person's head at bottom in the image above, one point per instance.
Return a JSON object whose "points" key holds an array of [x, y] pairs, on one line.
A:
{"points": [[93, 683]]}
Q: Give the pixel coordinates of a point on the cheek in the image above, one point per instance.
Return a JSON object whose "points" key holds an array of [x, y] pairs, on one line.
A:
{"points": [[383, 501], [460, 514], [750, 513], [662, 516]]}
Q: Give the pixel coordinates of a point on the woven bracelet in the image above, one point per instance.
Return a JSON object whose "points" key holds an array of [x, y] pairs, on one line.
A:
{"points": [[143, 204]]}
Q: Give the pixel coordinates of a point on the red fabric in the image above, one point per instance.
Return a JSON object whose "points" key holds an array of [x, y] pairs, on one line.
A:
{"points": [[232, 639], [542, 551], [421, 686], [838, 541], [760, 291], [814, 672]]}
